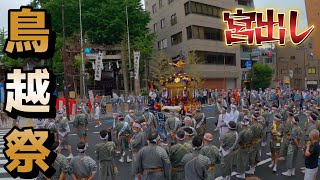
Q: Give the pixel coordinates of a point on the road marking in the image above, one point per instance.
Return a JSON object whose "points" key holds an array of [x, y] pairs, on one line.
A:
{"points": [[2, 170], [73, 134], [3, 161], [2, 142], [1, 146], [1, 155], [264, 161], [4, 130], [210, 117], [96, 132], [3, 134], [259, 164]]}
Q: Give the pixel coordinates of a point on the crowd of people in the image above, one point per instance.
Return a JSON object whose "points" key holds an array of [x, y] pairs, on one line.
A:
{"points": [[177, 145]]}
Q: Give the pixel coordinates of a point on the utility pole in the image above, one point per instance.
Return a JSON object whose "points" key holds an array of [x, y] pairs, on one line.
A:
{"points": [[65, 82], [129, 49], [82, 78]]}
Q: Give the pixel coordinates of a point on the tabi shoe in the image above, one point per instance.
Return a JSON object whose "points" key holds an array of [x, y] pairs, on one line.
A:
{"points": [[271, 165], [121, 160], [268, 154], [128, 159], [251, 171], [293, 172], [282, 158], [98, 125], [274, 168], [70, 156], [287, 173], [241, 176]]}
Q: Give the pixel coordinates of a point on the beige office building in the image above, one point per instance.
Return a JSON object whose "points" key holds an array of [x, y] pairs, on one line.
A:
{"points": [[196, 25], [296, 66], [313, 17]]}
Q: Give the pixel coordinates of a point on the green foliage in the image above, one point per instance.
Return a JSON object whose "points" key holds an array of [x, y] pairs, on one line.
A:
{"points": [[193, 71], [4, 59], [71, 14], [78, 62], [261, 76], [105, 21], [160, 68]]}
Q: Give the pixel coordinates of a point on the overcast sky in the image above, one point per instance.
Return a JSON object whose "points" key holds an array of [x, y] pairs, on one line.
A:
{"points": [[284, 6]]}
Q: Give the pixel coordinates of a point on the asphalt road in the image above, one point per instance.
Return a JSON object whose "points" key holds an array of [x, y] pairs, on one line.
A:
{"points": [[262, 171]]}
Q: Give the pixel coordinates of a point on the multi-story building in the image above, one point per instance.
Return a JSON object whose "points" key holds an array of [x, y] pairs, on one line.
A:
{"points": [[313, 17], [183, 26], [245, 50], [297, 68]]}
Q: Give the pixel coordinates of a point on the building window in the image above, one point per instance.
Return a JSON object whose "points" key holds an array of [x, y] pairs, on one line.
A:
{"points": [[176, 38], [284, 71], [160, 45], [160, 4], [311, 70], [170, 1], [199, 32], [297, 71], [189, 32], [292, 57], [230, 60], [217, 58], [155, 27], [203, 9], [246, 49], [162, 22], [243, 2], [173, 19], [163, 44], [297, 82], [268, 60], [154, 9], [312, 85]]}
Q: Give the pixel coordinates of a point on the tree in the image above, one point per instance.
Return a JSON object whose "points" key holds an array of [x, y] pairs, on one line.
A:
{"points": [[104, 22], [191, 62], [144, 45], [4, 58], [261, 76], [160, 68]]}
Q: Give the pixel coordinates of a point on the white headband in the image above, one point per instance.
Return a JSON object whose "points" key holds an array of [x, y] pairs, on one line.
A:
{"points": [[157, 139], [198, 147], [180, 139], [208, 139], [187, 134], [81, 150], [245, 123], [105, 138]]}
